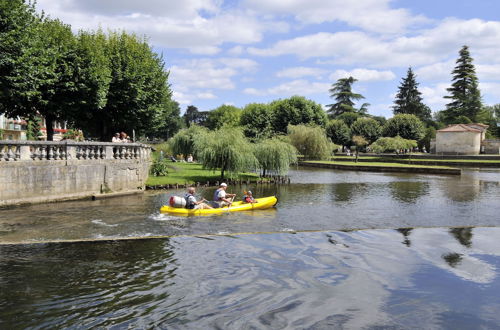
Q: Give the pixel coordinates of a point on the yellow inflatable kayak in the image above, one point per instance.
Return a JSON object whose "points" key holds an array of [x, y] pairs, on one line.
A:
{"points": [[262, 203]]}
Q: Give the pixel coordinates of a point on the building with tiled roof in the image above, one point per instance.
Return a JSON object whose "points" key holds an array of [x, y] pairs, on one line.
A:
{"points": [[460, 139]]}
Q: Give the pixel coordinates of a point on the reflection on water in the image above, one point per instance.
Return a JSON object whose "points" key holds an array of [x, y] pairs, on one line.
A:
{"points": [[357, 279], [319, 199], [339, 277]]}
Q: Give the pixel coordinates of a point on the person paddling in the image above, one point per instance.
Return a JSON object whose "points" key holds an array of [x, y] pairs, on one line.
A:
{"points": [[221, 198], [191, 202]]}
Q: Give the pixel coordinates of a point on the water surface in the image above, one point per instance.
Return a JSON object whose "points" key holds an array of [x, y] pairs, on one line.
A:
{"points": [[346, 250]]}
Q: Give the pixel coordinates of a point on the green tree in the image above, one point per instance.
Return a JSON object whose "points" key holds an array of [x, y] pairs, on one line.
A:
{"points": [[168, 120], [183, 142], [349, 117], [224, 115], [39, 79], [191, 115], [93, 77], [342, 92], [409, 100], [33, 129], [368, 128], [338, 132], [275, 155], [310, 141], [294, 111], [256, 120], [406, 126], [489, 115], [226, 150], [138, 89], [392, 144], [359, 142], [464, 92], [18, 28]]}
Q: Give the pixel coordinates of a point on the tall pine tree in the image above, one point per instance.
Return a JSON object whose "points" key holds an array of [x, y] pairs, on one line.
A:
{"points": [[409, 100], [341, 91], [464, 92]]}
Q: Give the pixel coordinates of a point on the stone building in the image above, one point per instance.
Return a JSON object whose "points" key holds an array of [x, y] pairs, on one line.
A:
{"points": [[464, 139], [12, 128]]}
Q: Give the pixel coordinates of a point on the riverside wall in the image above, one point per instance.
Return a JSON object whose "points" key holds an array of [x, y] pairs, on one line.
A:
{"points": [[39, 171]]}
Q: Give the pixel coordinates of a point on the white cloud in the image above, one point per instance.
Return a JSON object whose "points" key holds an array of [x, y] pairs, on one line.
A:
{"points": [[491, 90], [363, 75], [488, 71], [294, 87], [425, 48], [370, 15], [236, 50], [197, 25], [436, 71], [434, 96], [300, 71]]}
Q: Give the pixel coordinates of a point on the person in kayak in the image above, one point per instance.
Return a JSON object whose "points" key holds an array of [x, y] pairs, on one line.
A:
{"points": [[191, 202], [221, 197], [248, 198]]}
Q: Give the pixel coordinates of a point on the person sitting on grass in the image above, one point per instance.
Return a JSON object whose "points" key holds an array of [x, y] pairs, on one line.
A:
{"points": [[221, 198], [191, 202], [248, 198]]}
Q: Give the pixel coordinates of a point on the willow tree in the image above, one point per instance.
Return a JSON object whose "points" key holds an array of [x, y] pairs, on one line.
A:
{"points": [[183, 142], [275, 155], [310, 141], [385, 144], [226, 150]]}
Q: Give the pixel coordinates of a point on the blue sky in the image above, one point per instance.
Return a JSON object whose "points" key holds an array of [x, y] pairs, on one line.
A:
{"points": [[239, 52]]}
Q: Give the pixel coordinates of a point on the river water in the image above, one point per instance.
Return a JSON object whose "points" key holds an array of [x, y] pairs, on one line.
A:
{"points": [[341, 250]]}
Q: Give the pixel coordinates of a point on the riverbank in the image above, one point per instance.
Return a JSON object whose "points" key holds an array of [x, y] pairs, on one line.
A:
{"points": [[382, 167], [181, 174], [423, 161]]}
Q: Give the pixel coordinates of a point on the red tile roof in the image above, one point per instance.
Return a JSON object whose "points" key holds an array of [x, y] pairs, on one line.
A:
{"points": [[479, 128]]}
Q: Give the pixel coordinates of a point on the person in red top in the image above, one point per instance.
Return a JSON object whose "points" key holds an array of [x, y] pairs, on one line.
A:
{"points": [[248, 198]]}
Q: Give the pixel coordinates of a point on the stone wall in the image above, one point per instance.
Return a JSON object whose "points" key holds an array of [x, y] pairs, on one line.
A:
{"points": [[46, 171], [491, 147], [458, 143]]}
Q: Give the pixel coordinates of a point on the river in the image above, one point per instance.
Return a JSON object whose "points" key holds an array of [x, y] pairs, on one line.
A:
{"points": [[341, 250]]}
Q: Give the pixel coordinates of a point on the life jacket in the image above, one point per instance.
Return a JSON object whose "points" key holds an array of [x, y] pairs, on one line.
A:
{"points": [[216, 195], [189, 202], [248, 199]]}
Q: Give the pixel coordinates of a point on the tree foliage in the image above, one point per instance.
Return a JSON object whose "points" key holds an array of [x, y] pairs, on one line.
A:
{"points": [[183, 142], [359, 142], [406, 126], [342, 92], [256, 120], [409, 100], [368, 128], [224, 115], [338, 132], [464, 92], [296, 110], [18, 26], [310, 141], [167, 121], [275, 155], [226, 149], [191, 116], [392, 144], [349, 117]]}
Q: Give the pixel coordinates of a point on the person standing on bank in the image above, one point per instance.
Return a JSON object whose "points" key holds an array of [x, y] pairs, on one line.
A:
{"points": [[221, 198], [191, 202]]}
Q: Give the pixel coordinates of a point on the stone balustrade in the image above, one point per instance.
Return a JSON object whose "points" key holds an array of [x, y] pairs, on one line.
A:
{"points": [[36, 151]]}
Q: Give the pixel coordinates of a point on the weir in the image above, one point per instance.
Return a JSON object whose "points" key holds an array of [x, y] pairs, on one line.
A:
{"points": [[44, 171]]}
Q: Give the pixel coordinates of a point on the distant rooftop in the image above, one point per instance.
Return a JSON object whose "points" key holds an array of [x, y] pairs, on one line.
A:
{"points": [[479, 128]]}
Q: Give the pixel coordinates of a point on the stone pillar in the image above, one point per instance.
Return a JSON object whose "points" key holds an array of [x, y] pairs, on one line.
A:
{"points": [[108, 151], [25, 152], [70, 152]]}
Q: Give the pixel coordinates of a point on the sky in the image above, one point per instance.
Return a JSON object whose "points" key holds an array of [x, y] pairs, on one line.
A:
{"points": [[239, 52]]}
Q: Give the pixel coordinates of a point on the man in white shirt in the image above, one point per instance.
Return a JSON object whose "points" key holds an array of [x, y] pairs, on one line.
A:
{"points": [[221, 198]]}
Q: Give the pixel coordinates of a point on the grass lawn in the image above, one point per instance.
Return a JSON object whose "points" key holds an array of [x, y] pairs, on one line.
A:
{"points": [[191, 173], [376, 164]]}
